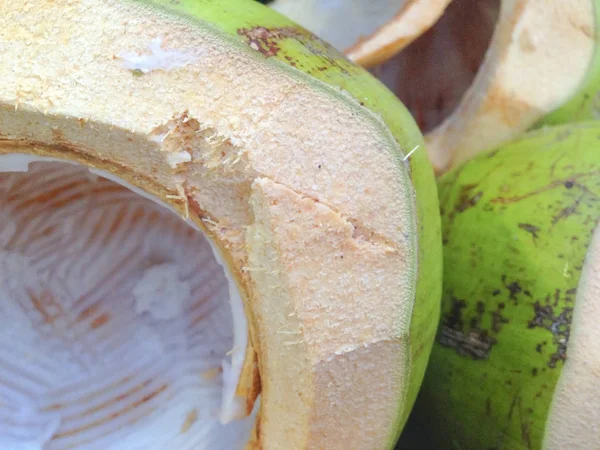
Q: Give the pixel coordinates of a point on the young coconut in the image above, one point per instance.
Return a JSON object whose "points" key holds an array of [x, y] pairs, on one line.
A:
{"points": [[515, 365], [309, 270]]}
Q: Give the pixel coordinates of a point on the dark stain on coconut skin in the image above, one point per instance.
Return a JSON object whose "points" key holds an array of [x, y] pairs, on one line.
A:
{"points": [[467, 198], [468, 335], [518, 411], [472, 328], [514, 289], [557, 322], [476, 344], [268, 42], [565, 183], [531, 229], [498, 319], [568, 210], [468, 332]]}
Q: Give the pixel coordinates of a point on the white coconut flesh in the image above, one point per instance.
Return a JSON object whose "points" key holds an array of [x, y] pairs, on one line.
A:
{"points": [[302, 189], [574, 418], [116, 326]]}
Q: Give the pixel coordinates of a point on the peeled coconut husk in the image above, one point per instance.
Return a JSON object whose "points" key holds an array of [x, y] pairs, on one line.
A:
{"points": [[540, 57], [368, 32], [202, 246], [515, 362], [540, 67]]}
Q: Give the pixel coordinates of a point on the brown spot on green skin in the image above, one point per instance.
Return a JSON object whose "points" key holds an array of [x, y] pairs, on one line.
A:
{"points": [[568, 210], [513, 288], [538, 348], [466, 198], [267, 41], [531, 229], [498, 320], [263, 40], [477, 344], [559, 325], [515, 399], [454, 319], [476, 321], [548, 187], [525, 433]]}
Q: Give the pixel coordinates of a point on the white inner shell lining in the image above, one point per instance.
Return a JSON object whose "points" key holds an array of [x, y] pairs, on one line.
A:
{"points": [[91, 358]]}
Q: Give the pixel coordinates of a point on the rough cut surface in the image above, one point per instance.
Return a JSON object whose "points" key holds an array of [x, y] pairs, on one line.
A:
{"points": [[204, 123], [323, 323]]}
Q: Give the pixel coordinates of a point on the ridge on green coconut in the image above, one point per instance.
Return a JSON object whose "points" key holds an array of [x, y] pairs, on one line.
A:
{"points": [[515, 361], [212, 153]]}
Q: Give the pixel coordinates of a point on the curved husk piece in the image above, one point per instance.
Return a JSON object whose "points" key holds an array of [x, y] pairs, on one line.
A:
{"points": [[269, 115], [542, 56], [414, 19], [517, 225], [369, 33]]}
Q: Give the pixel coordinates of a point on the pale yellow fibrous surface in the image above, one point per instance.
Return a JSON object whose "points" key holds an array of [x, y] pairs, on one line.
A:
{"points": [[301, 189]]}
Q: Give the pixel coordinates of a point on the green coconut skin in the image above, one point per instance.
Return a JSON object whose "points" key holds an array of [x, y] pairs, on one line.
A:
{"points": [[516, 225], [282, 43]]}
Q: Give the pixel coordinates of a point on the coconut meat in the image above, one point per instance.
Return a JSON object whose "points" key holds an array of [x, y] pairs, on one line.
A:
{"points": [[91, 354]]}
